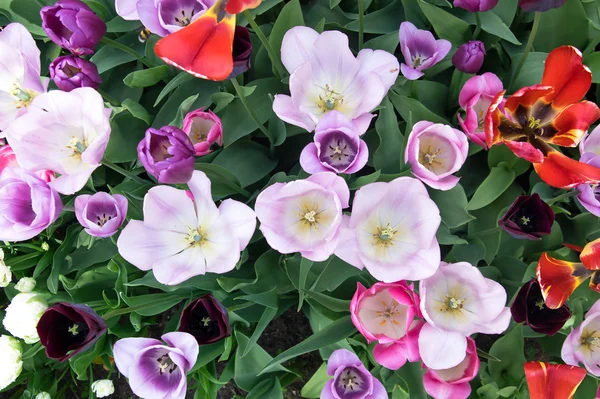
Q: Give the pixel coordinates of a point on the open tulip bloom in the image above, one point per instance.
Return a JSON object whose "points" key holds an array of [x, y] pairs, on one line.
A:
{"points": [[552, 381], [583, 343]]}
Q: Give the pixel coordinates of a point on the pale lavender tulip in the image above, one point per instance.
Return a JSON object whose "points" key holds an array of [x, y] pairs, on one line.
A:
{"points": [[66, 132], [304, 215], [204, 129], [163, 17], [476, 5], [101, 214], [582, 344], [20, 73], [182, 237], [326, 76], [391, 231], [589, 194], [475, 98], [435, 152], [458, 301], [351, 380], [156, 370], [420, 50], [337, 147], [27, 205]]}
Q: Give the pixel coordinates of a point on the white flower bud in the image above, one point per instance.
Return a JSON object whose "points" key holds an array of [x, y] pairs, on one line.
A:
{"points": [[5, 274], [26, 284], [43, 395], [10, 353], [23, 314], [45, 246], [103, 388]]}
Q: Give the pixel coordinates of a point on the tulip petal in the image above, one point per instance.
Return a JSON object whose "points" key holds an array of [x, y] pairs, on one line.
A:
{"points": [[527, 97], [443, 390], [298, 47], [166, 208], [180, 267], [525, 150], [493, 119], [590, 255], [238, 6], [552, 381], [241, 218], [441, 349], [573, 122], [558, 279], [564, 70], [560, 171], [125, 349], [186, 343]]}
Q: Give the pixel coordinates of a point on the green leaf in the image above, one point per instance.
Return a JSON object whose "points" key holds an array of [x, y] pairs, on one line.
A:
{"points": [[472, 252], [334, 272], [223, 182], [407, 106], [388, 42], [593, 62], [108, 57], [390, 154], [452, 205], [382, 21], [82, 361], [277, 130], [267, 389], [364, 180], [305, 266], [184, 108], [59, 261], [313, 387], [126, 132], [499, 179], [152, 304], [221, 99], [247, 160], [571, 14], [446, 25], [444, 236], [119, 25], [532, 71], [268, 315], [290, 16], [333, 304], [181, 78], [509, 349], [399, 393], [137, 110], [146, 77], [268, 299], [412, 374], [492, 23]]}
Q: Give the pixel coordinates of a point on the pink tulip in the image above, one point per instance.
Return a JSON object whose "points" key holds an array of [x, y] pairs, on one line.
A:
{"points": [[304, 215], [583, 343], [395, 354], [8, 159], [475, 98], [435, 152], [420, 50], [476, 5], [101, 214], [204, 129]]}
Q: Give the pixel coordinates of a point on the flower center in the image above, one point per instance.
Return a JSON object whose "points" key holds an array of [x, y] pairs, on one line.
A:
{"points": [[351, 381], [540, 304], [71, 71], [534, 123], [389, 312], [384, 235], [427, 157], [102, 219], [310, 216], [416, 61], [24, 97], [453, 304], [206, 321], [590, 342], [77, 146], [525, 220], [74, 329], [195, 237], [166, 364], [330, 100], [184, 19]]}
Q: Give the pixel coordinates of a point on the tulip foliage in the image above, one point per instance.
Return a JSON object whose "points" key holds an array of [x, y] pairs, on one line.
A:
{"points": [[280, 199]]}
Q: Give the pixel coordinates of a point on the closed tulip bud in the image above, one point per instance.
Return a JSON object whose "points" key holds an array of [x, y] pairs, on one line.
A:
{"points": [[26, 284], [469, 57], [528, 217], [70, 72], [242, 51], [206, 319], [476, 5]]}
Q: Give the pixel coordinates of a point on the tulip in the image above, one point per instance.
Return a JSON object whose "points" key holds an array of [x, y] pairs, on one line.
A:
{"points": [[12, 364], [242, 51], [70, 72], [68, 329], [101, 214], [552, 381], [304, 215], [182, 237], [23, 314], [337, 147], [73, 25], [206, 319], [435, 152], [453, 383], [8, 159], [43, 395], [167, 154], [457, 302], [529, 308], [28, 205], [469, 57], [326, 76], [476, 5], [528, 217], [583, 343], [26, 284], [420, 50], [103, 388], [204, 129], [540, 5], [351, 380], [5, 273], [156, 370], [391, 231], [589, 194], [475, 98]]}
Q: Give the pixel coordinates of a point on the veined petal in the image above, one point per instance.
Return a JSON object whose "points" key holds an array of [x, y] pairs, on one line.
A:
{"points": [[552, 381], [166, 208], [241, 218], [180, 267], [441, 349], [525, 150], [558, 279], [298, 47], [564, 70], [560, 171], [573, 122], [527, 97]]}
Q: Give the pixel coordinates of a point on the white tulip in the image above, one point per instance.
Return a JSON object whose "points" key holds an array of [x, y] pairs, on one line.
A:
{"points": [[10, 353], [5, 274], [26, 284], [23, 314], [103, 388]]}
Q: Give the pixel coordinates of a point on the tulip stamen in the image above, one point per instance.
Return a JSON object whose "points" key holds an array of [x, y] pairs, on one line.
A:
{"points": [[310, 217], [385, 235], [525, 220], [166, 364], [77, 146], [24, 96], [206, 321], [534, 123], [330, 100], [540, 304], [350, 380], [73, 329], [195, 237], [427, 158]]}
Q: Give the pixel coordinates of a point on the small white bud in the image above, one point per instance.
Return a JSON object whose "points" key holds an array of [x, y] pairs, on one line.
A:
{"points": [[103, 388], [26, 284]]}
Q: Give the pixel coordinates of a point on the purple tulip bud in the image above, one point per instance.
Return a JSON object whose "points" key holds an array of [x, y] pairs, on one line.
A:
{"points": [[242, 51], [73, 25], [528, 217], [206, 319], [70, 72], [469, 57], [67, 329], [529, 308], [476, 5], [540, 5], [101, 214], [167, 154], [204, 129]]}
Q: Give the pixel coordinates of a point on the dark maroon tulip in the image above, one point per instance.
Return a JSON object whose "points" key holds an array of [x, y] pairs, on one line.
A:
{"points": [[242, 50], [469, 57], [73, 25], [70, 72], [67, 329], [540, 5], [528, 217], [206, 319], [529, 308]]}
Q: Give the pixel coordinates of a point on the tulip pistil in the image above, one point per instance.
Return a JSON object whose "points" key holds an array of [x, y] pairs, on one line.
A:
{"points": [[77, 146], [73, 329], [351, 381], [330, 100], [24, 96], [540, 304], [427, 158], [385, 235], [206, 321], [166, 364], [195, 237]]}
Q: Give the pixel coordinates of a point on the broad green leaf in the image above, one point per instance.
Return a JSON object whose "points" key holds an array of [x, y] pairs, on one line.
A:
{"points": [[277, 130], [452, 205], [364, 180], [332, 303], [593, 62], [247, 160], [119, 25], [572, 14], [221, 99], [200, 87], [472, 252], [445, 237], [499, 179], [267, 389], [82, 361], [268, 299], [305, 266], [532, 70], [126, 133], [152, 304], [446, 25], [388, 42], [146, 77], [382, 21], [509, 349], [333, 272], [492, 23], [137, 110], [109, 57], [184, 108], [412, 374], [290, 16], [313, 387], [390, 153], [59, 260], [409, 108], [268, 315], [180, 79]]}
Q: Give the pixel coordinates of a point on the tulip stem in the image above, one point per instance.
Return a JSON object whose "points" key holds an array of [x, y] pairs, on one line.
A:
{"points": [[361, 24], [562, 196], [478, 27], [127, 50], [108, 98], [124, 172], [279, 70], [244, 101], [528, 46]]}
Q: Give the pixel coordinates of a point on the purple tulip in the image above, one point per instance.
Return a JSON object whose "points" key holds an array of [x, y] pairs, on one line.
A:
{"points": [[206, 319], [420, 50], [476, 5], [70, 72], [27, 205], [528, 217], [242, 51], [469, 57], [67, 329], [351, 380], [540, 5], [73, 25], [167, 154], [101, 214], [589, 194], [529, 308], [156, 370], [204, 129]]}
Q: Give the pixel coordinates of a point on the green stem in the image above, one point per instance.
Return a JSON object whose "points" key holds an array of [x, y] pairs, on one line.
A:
{"points": [[108, 98], [361, 24], [244, 101], [279, 69], [478, 28], [124, 172], [528, 46], [127, 50], [562, 196]]}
